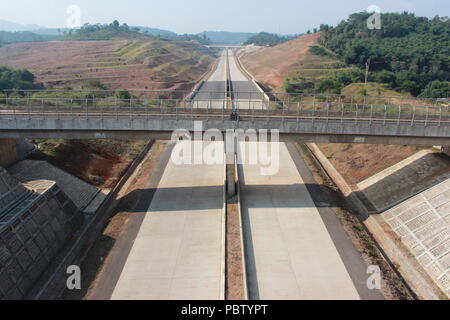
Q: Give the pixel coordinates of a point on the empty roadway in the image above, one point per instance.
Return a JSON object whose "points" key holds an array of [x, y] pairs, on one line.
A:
{"points": [[213, 92], [246, 94], [178, 252], [290, 253]]}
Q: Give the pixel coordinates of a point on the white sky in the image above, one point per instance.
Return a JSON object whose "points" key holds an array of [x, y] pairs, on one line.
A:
{"points": [[193, 16]]}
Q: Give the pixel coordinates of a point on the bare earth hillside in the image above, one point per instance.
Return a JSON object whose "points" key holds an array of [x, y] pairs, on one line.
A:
{"points": [[120, 64], [98, 162], [357, 162], [272, 65]]}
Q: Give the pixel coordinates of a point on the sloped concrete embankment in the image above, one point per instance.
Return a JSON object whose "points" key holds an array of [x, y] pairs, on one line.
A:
{"points": [[406, 208], [43, 211], [36, 221], [413, 198], [407, 178], [85, 196]]}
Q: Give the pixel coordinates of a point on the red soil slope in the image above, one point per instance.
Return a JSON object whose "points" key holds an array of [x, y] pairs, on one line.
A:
{"points": [[121, 63], [272, 65]]}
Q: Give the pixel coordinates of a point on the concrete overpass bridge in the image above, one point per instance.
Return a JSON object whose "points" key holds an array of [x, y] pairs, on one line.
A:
{"points": [[157, 114]]}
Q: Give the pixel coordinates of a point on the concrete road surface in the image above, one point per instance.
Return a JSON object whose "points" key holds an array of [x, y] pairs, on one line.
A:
{"points": [[178, 252], [246, 94], [289, 252], [213, 93]]}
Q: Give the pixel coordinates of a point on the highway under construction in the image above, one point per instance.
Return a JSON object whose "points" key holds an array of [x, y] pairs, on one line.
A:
{"points": [[291, 248]]}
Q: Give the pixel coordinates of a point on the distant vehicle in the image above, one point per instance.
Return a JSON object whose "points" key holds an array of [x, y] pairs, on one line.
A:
{"points": [[445, 102], [235, 116]]}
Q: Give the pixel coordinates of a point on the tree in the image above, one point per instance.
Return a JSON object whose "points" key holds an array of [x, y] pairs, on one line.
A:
{"points": [[408, 53], [115, 25], [347, 77], [320, 51], [436, 89], [123, 95], [17, 79], [383, 76], [94, 85], [298, 85], [267, 39], [329, 86], [100, 31]]}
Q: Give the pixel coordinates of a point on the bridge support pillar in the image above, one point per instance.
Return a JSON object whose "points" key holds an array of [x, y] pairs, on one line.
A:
{"points": [[231, 174], [446, 150]]}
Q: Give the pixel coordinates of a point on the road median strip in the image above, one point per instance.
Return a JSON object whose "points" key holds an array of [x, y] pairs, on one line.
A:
{"points": [[236, 281]]}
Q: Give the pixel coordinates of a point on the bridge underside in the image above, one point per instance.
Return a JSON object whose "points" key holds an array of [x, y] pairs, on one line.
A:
{"points": [[167, 135]]}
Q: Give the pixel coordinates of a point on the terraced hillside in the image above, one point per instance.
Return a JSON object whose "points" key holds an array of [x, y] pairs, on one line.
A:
{"points": [[272, 65], [121, 63]]}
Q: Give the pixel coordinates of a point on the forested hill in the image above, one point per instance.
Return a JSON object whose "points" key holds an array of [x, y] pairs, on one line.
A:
{"points": [[409, 53], [23, 36], [224, 37], [267, 39], [117, 30], [102, 32]]}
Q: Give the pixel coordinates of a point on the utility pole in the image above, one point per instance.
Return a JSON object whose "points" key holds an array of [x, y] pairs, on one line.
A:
{"points": [[367, 72]]}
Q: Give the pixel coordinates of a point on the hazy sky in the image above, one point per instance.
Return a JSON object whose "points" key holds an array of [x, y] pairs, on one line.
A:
{"points": [[193, 16]]}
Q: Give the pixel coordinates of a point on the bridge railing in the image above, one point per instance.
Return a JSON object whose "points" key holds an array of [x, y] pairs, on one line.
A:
{"points": [[86, 103]]}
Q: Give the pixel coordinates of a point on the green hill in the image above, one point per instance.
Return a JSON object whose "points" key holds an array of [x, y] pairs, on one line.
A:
{"points": [[409, 53], [265, 39], [103, 32], [225, 37], [23, 36]]}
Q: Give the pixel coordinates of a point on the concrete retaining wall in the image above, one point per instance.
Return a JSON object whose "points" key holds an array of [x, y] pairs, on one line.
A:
{"points": [[33, 229], [80, 192], [447, 150], [12, 150], [8, 154]]}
